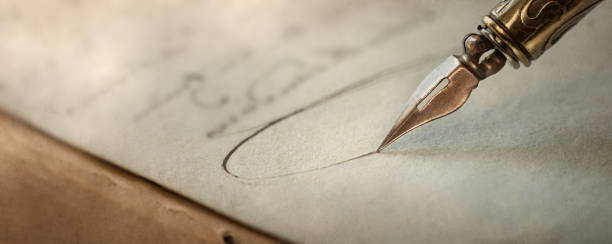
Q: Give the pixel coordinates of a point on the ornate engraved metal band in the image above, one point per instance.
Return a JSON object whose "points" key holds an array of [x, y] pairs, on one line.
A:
{"points": [[523, 29]]}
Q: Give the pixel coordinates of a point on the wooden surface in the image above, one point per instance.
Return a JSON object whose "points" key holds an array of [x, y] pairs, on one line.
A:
{"points": [[52, 193]]}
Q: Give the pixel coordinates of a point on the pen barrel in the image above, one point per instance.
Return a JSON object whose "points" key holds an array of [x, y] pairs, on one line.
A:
{"points": [[524, 29]]}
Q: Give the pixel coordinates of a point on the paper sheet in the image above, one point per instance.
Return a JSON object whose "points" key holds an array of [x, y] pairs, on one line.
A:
{"points": [[254, 108]]}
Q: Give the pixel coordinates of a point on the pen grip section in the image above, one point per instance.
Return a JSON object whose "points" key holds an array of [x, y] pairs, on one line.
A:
{"points": [[481, 57]]}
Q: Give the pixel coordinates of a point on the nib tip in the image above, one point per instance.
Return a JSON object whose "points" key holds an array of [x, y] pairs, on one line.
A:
{"points": [[381, 147]]}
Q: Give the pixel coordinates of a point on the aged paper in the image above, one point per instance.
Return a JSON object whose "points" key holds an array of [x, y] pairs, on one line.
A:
{"points": [[262, 109]]}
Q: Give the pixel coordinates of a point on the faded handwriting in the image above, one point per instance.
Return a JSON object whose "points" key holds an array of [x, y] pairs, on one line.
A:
{"points": [[279, 80]]}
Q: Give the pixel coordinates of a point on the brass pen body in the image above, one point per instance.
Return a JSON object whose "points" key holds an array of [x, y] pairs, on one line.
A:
{"points": [[524, 29]]}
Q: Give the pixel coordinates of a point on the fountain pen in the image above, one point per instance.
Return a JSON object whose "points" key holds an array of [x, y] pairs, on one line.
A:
{"points": [[514, 31]]}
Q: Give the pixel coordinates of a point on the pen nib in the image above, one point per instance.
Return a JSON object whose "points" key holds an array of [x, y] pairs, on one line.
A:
{"points": [[446, 88], [443, 91]]}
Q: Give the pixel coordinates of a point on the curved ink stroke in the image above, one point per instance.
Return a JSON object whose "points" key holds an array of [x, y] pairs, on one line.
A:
{"points": [[349, 88]]}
